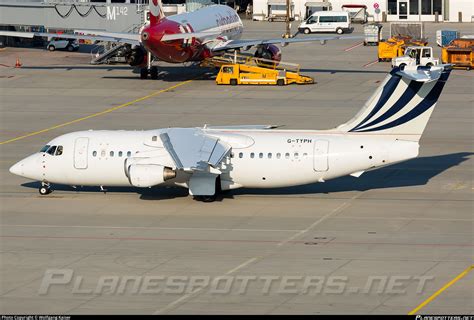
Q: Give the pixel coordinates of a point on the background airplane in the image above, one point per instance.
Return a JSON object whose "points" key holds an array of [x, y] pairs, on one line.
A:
{"points": [[193, 36], [206, 160]]}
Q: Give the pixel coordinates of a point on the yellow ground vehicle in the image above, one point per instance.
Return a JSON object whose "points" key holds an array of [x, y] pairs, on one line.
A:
{"points": [[459, 52], [395, 47], [237, 73]]}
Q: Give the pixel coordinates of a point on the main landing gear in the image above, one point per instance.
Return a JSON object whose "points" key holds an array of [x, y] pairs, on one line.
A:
{"points": [[45, 189], [213, 197], [153, 72], [210, 198]]}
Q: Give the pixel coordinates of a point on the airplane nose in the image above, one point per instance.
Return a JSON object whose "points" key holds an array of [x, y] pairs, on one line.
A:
{"points": [[30, 167], [17, 168]]}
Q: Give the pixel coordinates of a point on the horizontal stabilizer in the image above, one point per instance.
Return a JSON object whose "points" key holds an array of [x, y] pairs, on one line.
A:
{"points": [[245, 127], [422, 74]]}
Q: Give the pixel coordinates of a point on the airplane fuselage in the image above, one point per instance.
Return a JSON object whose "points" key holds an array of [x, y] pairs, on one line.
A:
{"points": [[258, 158], [219, 19]]}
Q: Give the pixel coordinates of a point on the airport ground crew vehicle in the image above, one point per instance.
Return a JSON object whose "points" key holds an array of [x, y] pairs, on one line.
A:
{"points": [[459, 52], [395, 47], [235, 74], [416, 56]]}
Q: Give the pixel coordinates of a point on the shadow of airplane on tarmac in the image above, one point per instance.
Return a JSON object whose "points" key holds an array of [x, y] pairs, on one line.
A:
{"points": [[415, 172]]}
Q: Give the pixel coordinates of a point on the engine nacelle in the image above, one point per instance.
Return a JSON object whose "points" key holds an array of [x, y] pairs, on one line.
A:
{"points": [[268, 52], [137, 57], [149, 175]]}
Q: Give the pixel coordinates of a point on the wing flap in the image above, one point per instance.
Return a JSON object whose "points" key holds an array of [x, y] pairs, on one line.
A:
{"points": [[192, 150]]}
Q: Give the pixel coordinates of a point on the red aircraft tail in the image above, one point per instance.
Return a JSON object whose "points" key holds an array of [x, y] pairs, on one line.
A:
{"points": [[156, 11]]}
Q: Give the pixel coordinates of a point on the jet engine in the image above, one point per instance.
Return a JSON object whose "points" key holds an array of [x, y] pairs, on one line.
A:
{"points": [[149, 175], [137, 57], [268, 52]]}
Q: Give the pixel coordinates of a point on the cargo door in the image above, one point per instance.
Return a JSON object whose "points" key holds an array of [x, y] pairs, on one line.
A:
{"points": [[320, 159], [80, 153]]}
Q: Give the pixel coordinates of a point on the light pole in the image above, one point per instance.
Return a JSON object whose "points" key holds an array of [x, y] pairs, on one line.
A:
{"points": [[287, 20]]}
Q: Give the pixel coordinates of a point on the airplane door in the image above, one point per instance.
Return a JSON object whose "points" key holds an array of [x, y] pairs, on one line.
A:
{"points": [[80, 153], [320, 158]]}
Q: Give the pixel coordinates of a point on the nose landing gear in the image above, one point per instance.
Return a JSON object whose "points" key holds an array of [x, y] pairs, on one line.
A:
{"points": [[45, 189]]}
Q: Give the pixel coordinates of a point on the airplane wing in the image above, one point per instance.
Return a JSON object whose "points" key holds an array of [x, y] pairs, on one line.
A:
{"points": [[245, 127], [193, 150], [235, 44], [130, 38]]}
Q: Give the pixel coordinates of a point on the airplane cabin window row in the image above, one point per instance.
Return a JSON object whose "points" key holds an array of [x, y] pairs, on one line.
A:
{"points": [[269, 155], [112, 154]]}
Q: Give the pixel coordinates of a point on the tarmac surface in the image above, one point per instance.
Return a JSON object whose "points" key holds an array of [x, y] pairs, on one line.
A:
{"points": [[369, 240]]}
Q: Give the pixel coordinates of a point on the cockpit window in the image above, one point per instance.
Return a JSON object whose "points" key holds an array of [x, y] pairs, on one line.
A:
{"points": [[59, 150], [45, 148], [51, 150]]}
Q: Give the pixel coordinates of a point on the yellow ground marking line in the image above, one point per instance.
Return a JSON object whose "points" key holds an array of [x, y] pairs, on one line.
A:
{"points": [[95, 114], [446, 286]]}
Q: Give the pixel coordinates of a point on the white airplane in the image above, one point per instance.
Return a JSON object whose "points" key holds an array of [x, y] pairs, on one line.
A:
{"points": [[206, 160]]}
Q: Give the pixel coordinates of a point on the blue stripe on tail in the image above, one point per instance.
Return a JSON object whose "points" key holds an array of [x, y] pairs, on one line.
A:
{"points": [[424, 105], [387, 92], [411, 91]]}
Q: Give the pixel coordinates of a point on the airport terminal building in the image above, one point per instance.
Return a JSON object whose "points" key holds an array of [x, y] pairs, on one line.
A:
{"points": [[378, 10]]}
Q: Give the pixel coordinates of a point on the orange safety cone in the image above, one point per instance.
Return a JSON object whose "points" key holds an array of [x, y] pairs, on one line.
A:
{"points": [[18, 63]]}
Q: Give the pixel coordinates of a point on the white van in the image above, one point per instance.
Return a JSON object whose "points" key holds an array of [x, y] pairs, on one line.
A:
{"points": [[327, 21]]}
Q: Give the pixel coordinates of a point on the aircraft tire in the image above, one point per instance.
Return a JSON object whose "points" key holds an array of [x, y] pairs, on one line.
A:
{"points": [[143, 73], [43, 190], [154, 73]]}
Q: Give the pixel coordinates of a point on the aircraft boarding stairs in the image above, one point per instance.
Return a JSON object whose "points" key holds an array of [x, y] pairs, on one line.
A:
{"points": [[108, 55]]}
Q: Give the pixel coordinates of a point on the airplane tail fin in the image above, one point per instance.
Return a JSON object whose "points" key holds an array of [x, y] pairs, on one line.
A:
{"points": [[156, 11], [403, 103]]}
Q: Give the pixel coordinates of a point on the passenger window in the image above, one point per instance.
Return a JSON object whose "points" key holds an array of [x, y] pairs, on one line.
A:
{"points": [[296, 155], [154, 138], [59, 150], [102, 153], [305, 155], [287, 155], [129, 153], [120, 153], [278, 155], [51, 150], [45, 148], [111, 153], [252, 155], [269, 155], [260, 155], [241, 155], [94, 154]]}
